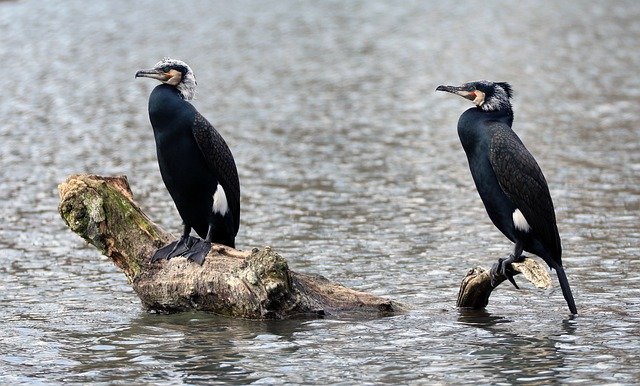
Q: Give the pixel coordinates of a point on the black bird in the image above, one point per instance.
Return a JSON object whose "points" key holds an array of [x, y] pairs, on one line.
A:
{"points": [[196, 164], [510, 183]]}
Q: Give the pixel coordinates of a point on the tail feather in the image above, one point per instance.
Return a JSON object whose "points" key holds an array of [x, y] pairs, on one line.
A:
{"points": [[566, 290]]}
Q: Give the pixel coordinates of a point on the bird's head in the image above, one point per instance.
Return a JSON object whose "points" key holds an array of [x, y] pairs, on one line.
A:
{"points": [[175, 73], [488, 96]]}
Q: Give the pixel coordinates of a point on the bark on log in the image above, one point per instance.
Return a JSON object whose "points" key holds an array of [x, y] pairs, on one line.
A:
{"points": [[253, 284], [476, 287]]}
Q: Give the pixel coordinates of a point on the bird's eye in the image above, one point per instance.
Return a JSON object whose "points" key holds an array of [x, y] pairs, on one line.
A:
{"points": [[166, 69]]}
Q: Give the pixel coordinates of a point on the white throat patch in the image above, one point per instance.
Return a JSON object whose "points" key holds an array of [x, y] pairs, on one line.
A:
{"points": [[519, 221], [187, 86], [220, 201]]}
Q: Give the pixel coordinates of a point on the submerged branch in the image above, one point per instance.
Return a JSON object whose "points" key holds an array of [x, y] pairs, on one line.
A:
{"points": [[476, 287]]}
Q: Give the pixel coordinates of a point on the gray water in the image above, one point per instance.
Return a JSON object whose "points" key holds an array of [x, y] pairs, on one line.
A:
{"points": [[350, 167]]}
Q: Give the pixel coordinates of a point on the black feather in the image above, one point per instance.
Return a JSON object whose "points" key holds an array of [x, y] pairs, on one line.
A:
{"points": [[507, 88], [220, 162]]}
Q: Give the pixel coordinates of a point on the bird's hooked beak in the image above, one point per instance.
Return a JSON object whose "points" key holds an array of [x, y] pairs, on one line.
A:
{"points": [[172, 77], [476, 96], [153, 73], [459, 90]]}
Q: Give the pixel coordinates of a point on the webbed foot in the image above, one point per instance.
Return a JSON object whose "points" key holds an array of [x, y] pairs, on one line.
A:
{"points": [[173, 249], [503, 268], [177, 248], [198, 251]]}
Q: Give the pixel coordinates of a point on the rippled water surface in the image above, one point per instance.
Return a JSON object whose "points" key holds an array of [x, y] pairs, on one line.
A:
{"points": [[350, 167]]}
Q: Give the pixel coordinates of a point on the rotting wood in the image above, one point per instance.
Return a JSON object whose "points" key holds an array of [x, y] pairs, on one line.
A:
{"points": [[476, 287], [256, 284]]}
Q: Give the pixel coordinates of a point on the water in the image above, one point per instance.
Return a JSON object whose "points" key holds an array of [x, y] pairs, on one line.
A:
{"points": [[350, 167]]}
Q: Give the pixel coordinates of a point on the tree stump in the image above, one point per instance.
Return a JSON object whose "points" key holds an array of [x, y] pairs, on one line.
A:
{"points": [[256, 284]]}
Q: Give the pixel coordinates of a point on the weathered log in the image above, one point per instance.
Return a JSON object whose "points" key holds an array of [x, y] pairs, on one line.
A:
{"points": [[476, 287], [255, 284]]}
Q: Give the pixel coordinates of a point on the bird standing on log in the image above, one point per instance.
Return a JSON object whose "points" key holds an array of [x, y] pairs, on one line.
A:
{"points": [[510, 183], [196, 164]]}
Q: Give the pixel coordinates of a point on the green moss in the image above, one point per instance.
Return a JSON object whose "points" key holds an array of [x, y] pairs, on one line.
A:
{"points": [[85, 219], [126, 209]]}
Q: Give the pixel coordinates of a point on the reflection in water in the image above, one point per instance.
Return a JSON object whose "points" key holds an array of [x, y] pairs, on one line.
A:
{"points": [[517, 358], [350, 167], [190, 347]]}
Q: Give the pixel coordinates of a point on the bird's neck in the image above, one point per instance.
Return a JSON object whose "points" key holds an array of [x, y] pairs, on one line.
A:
{"points": [[165, 105], [475, 121], [504, 114]]}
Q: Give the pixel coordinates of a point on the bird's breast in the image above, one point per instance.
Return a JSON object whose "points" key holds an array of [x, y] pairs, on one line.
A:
{"points": [[182, 165]]}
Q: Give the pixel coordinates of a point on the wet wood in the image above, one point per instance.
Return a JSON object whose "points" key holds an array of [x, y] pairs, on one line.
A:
{"points": [[256, 284], [476, 287]]}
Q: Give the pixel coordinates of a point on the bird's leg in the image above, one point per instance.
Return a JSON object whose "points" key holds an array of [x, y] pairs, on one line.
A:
{"points": [[503, 266], [200, 248], [176, 248], [209, 233]]}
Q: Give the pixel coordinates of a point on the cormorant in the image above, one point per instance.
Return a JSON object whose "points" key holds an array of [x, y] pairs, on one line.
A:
{"points": [[196, 164], [510, 183]]}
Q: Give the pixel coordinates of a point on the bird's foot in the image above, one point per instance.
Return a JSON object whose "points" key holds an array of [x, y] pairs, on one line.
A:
{"points": [[173, 249], [177, 248], [503, 268], [198, 251]]}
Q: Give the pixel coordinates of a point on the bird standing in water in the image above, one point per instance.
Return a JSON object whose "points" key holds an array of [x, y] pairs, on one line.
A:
{"points": [[510, 183], [196, 164]]}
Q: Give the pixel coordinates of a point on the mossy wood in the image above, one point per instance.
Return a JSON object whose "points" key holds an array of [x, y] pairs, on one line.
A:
{"points": [[255, 284]]}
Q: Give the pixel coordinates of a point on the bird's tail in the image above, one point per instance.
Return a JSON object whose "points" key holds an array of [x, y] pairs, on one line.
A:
{"points": [[566, 290]]}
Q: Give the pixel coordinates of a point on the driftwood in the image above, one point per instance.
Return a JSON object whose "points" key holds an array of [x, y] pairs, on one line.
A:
{"points": [[255, 284], [476, 287]]}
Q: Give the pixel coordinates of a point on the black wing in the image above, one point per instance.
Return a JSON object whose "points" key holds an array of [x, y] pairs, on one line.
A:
{"points": [[220, 161], [523, 182]]}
